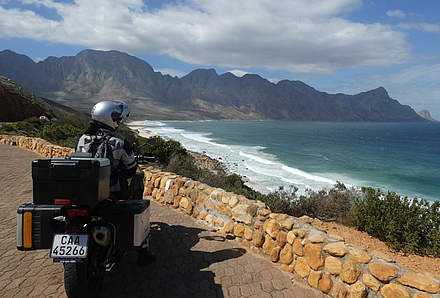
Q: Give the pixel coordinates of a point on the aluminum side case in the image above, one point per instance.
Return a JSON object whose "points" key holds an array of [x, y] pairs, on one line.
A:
{"points": [[141, 228]]}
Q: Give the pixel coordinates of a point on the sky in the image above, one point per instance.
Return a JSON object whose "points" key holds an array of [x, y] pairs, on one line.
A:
{"points": [[345, 46]]}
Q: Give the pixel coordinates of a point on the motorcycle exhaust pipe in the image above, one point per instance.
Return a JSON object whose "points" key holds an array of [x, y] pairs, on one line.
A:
{"points": [[102, 235]]}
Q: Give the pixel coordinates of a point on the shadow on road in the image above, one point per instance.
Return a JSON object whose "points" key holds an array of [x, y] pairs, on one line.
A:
{"points": [[177, 272]]}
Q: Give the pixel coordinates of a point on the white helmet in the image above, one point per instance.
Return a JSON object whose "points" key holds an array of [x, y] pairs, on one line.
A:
{"points": [[110, 112]]}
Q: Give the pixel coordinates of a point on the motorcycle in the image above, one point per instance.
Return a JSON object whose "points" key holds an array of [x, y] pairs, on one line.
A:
{"points": [[74, 217]]}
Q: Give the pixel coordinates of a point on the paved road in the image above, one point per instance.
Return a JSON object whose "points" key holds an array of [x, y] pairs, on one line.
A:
{"points": [[191, 260]]}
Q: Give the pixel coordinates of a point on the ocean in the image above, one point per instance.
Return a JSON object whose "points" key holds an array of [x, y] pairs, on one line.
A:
{"points": [[401, 157]]}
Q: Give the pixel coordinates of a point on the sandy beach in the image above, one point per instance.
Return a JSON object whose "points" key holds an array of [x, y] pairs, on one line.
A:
{"points": [[138, 126]]}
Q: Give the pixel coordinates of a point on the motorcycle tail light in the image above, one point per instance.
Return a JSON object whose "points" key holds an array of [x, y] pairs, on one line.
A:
{"points": [[27, 230], [77, 212], [62, 202]]}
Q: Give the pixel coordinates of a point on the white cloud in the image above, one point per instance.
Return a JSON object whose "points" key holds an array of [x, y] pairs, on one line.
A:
{"points": [[172, 72], [294, 35], [396, 13], [421, 26]]}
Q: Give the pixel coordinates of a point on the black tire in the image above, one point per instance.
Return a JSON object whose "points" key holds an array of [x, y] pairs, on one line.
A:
{"points": [[80, 280]]}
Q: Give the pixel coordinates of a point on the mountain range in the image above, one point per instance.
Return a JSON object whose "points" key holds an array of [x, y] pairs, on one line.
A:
{"points": [[90, 76]]}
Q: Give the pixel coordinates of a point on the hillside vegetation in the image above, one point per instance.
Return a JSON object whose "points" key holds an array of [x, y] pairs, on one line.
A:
{"points": [[21, 112], [16, 105], [19, 104], [411, 226]]}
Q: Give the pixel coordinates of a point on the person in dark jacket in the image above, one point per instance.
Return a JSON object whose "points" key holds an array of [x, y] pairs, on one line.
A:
{"points": [[101, 142]]}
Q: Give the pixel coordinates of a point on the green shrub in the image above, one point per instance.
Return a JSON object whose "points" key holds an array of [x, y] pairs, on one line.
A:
{"points": [[281, 201], [29, 127], [330, 205], [160, 148], [407, 225], [63, 133], [185, 165]]}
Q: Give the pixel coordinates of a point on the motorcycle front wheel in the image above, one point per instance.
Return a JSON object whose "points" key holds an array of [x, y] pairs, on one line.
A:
{"points": [[81, 279]]}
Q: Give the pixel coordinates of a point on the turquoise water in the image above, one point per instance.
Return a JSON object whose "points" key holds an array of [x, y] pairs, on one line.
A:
{"points": [[403, 157]]}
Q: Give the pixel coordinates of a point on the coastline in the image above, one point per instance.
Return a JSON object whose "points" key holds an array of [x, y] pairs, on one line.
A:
{"points": [[349, 234], [207, 162], [138, 127], [245, 161], [316, 155], [202, 160]]}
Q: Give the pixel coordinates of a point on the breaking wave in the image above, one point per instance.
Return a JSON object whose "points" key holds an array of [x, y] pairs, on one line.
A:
{"points": [[263, 171]]}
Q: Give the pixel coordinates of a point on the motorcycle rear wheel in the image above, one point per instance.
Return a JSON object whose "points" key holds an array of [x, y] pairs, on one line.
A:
{"points": [[82, 280]]}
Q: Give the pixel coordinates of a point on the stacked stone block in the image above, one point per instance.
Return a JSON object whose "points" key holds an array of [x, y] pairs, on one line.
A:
{"points": [[37, 145]]}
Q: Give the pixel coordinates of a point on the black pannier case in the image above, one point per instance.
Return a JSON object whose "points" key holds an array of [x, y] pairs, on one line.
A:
{"points": [[131, 220], [85, 181], [38, 233]]}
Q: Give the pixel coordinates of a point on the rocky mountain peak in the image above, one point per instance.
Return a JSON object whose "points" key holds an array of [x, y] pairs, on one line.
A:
{"points": [[228, 75], [101, 53], [201, 77], [202, 73], [252, 76], [14, 57], [380, 92]]}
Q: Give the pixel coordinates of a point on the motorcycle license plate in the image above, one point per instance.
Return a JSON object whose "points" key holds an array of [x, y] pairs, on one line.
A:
{"points": [[67, 246]]}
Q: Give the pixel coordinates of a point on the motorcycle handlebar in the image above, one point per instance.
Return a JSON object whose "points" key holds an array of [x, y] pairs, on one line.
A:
{"points": [[146, 159]]}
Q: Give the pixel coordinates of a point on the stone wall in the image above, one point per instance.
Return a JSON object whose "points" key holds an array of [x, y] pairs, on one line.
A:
{"points": [[37, 145], [321, 260]]}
